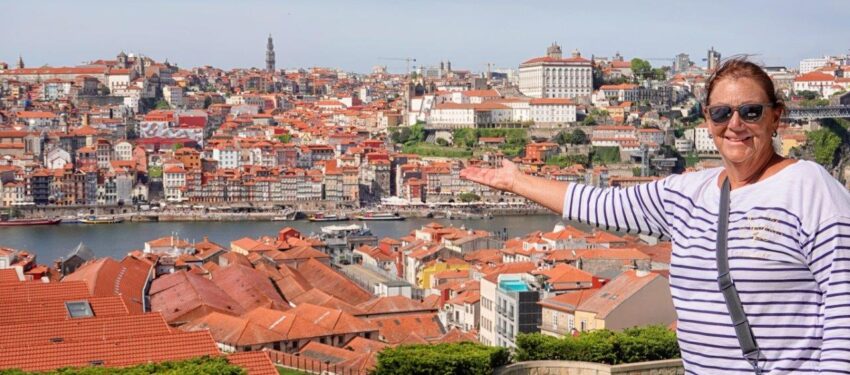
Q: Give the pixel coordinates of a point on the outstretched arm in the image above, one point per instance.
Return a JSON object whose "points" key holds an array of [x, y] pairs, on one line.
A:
{"points": [[548, 193], [637, 209]]}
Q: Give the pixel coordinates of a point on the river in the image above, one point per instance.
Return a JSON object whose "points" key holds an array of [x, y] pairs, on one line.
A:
{"points": [[116, 240]]}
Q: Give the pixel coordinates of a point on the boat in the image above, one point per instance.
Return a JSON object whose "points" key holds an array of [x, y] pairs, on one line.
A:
{"points": [[101, 220], [331, 217], [28, 222], [369, 215]]}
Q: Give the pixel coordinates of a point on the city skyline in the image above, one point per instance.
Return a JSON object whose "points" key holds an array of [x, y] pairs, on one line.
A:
{"points": [[470, 34]]}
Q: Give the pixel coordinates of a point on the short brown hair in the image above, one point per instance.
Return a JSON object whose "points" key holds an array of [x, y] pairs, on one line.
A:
{"points": [[740, 67]]}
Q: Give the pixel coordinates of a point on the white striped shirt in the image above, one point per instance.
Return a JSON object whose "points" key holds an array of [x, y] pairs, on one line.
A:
{"points": [[789, 254]]}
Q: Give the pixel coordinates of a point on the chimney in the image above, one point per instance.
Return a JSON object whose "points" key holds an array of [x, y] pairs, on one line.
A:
{"points": [[641, 273]]}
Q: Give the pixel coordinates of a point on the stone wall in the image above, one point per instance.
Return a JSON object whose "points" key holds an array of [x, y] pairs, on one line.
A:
{"points": [[665, 367]]}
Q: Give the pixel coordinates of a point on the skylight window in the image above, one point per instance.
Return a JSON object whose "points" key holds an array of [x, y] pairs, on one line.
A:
{"points": [[79, 309]]}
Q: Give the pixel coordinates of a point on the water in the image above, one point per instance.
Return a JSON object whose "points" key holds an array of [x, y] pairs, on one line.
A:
{"points": [[116, 240]]}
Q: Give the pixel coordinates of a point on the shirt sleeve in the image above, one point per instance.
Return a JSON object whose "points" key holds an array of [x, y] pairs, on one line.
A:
{"points": [[636, 209], [829, 260]]}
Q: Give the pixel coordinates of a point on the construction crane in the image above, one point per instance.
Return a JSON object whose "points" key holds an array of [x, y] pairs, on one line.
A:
{"points": [[407, 60]]}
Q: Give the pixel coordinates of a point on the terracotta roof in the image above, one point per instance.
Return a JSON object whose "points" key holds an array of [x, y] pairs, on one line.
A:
{"points": [[456, 335], [232, 330], [814, 76], [82, 330], [618, 290], [322, 276], [334, 321], [393, 305], [108, 277], [399, 329], [565, 273], [326, 353], [291, 324], [9, 275], [183, 296], [364, 345], [552, 101], [254, 363], [249, 287], [317, 297], [547, 59], [302, 252], [567, 302], [33, 291], [119, 352]]}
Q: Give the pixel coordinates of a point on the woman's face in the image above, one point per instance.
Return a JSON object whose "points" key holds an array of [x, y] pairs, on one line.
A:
{"points": [[741, 142]]}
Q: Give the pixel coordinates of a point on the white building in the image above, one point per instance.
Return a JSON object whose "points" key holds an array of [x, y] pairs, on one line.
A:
{"points": [[555, 77], [173, 95], [227, 157], [458, 116], [702, 140], [123, 150], [173, 183], [808, 65], [552, 111]]}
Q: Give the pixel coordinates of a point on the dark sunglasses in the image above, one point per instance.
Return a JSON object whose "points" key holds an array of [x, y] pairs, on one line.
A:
{"points": [[748, 112]]}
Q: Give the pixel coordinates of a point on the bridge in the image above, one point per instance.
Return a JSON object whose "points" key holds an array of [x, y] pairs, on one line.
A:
{"points": [[815, 113]]}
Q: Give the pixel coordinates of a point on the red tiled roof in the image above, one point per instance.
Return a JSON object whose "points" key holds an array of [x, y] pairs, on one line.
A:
{"points": [[398, 329], [393, 305], [183, 296], [567, 302], [82, 330], [616, 292], [322, 276], [317, 297], [119, 352], [108, 277], [232, 330], [249, 287], [254, 363]]}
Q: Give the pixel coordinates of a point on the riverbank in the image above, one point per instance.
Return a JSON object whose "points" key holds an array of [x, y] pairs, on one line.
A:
{"points": [[131, 214]]}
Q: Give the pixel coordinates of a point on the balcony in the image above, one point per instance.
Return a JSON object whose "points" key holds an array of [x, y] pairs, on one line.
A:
{"points": [[560, 329]]}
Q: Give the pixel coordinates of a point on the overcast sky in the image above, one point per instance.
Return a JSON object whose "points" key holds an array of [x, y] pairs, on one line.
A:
{"points": [[354, 34]]}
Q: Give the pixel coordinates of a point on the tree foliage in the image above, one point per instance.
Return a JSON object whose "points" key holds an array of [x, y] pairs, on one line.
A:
{"points": [[162, 104], [202, 365], [463, 358], [567, 160], [826, 141], [575, 137], [468, 197], [641, 68], [606, 154], [632, 345]]}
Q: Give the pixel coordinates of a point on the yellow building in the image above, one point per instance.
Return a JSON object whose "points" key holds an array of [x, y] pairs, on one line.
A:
{"points": [[428, 272]]}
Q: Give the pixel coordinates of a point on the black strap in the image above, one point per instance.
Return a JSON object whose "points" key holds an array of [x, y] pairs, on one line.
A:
{"points": [[739, 318]]}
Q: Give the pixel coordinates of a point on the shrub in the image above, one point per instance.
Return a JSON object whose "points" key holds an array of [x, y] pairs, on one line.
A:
{"points": [[640, 344], [202, 365], [463, 358]]}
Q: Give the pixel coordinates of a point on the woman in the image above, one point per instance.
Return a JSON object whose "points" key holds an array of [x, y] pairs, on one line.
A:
{"points": [[788, 238]]}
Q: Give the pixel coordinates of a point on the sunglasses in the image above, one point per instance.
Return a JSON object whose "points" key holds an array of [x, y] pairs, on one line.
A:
{"points": [[748, 112]]}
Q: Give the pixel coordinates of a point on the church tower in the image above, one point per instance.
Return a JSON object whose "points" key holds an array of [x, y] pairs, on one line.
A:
{"points": [[20, 62], [270, 55]]}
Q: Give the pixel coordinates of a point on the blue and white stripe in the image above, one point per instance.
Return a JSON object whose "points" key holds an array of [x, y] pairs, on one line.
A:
{"points": [[789, 254]]}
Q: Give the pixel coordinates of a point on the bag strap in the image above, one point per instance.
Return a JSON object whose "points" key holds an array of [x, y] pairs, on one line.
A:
{"points": [[739, 318]]}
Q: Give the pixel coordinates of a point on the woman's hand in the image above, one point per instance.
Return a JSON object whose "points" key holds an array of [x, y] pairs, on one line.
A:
{"points": [[502, 178]]}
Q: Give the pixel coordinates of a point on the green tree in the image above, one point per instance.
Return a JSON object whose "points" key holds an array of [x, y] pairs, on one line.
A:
{"points": [[641, 68], [442, 142], [463, 358], [807, 94], [417, 133], [162, 104], [207, 102], [176, 146], [400, 135], [468, 197], [155, 172], [465, 137], [632, 345], [606, 154], [826, 141], [201, 366], [284, 138]]}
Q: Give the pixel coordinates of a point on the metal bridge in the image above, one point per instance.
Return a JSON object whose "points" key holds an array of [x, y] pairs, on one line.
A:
{"points": [[815, 113]]}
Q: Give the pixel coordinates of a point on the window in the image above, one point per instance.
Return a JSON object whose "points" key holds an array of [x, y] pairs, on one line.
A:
{"points": [[79, 309]]}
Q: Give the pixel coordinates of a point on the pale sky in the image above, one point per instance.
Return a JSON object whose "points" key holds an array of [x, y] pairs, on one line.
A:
{"points": [[353, 34]]}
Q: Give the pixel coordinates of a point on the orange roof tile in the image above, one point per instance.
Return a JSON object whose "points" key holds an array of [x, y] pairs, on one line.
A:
{"points": [[82, 330], [254, 363], [120, 352], [322, 276], [108, 277], [398, 329], [249, 287]]}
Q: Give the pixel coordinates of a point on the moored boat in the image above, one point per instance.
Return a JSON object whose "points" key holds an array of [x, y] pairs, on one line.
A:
{"points": [[101, 220], [331, 217], [369, 215], [28, 222]]}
